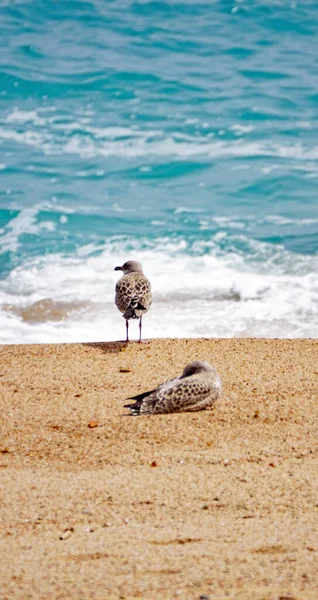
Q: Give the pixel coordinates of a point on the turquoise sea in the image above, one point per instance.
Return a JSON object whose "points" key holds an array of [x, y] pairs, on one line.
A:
{"points": [[183, 134]]}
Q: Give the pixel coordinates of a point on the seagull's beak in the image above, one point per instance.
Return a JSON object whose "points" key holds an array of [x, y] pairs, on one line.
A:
{"points": [[118, 269]]}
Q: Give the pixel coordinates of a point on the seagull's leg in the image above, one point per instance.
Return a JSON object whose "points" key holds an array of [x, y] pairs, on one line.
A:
{"points": [[140, 328], [127, 327]]}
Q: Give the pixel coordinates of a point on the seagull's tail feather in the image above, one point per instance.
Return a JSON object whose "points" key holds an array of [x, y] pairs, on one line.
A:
{"points": [[144, 405], [134, 408], [130, 312], [143, 395]]}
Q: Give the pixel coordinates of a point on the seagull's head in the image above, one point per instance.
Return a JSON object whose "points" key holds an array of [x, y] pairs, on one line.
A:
{"points": [[131, 266], [198, 366]]}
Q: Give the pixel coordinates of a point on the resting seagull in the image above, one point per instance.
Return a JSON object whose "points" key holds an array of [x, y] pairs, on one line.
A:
{"points": [[197, 388], [133, 293]]}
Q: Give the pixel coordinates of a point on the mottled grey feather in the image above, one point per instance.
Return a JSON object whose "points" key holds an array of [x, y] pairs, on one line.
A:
{"points": [[197, 388], [133, 291], [133, 295]]}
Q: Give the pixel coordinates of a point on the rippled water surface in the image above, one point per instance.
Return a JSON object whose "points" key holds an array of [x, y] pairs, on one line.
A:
{"points": [[181, 134]]}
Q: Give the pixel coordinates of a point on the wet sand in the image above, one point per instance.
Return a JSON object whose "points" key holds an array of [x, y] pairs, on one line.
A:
{"points": [[98, 504]]}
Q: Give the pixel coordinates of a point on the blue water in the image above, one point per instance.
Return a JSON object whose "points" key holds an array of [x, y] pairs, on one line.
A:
{"points": [[182, 134]]}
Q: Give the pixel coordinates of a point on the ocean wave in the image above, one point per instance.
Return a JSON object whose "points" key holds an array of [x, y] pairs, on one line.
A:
{"points": [[195, 293], [116, 128], [23, 223], [54, 134]]}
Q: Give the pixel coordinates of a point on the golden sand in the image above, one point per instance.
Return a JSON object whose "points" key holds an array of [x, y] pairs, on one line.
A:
{"points": [[96, 504]]}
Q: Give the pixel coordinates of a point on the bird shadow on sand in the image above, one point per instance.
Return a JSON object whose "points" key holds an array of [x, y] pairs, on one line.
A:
{"points": [[107, 347]]}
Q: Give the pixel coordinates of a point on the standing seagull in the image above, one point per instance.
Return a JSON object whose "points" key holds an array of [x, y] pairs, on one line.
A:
{"points": [[197, 388], [133, 293]]}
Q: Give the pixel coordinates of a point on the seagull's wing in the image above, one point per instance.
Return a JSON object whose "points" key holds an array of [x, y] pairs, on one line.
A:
{"points": [[143, 395], [133, 293], [147, 400], [188, 394]]}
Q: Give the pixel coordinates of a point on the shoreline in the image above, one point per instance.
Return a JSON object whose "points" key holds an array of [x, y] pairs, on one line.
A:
{"points": [[99, 504]]}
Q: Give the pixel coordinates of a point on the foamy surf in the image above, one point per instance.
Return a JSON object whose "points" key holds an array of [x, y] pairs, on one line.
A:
{"points": [[197, 292], [50, 134]]}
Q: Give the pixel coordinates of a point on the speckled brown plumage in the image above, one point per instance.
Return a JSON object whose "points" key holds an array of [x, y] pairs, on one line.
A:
{"points": [[133, 293], [197, 388], [133, 287]]}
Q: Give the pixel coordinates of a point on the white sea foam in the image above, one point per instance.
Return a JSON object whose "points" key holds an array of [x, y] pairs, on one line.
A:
{"points": [[80, 137], [185, 209], [241, 129], [24, 222], [194, 294], [25, 116]]}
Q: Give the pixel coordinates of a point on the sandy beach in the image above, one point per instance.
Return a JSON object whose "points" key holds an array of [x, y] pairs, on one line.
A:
{"points": [[216, 504]]}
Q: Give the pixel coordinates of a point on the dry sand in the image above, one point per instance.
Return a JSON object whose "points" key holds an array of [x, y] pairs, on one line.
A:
{"points": [[219, 503]]}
